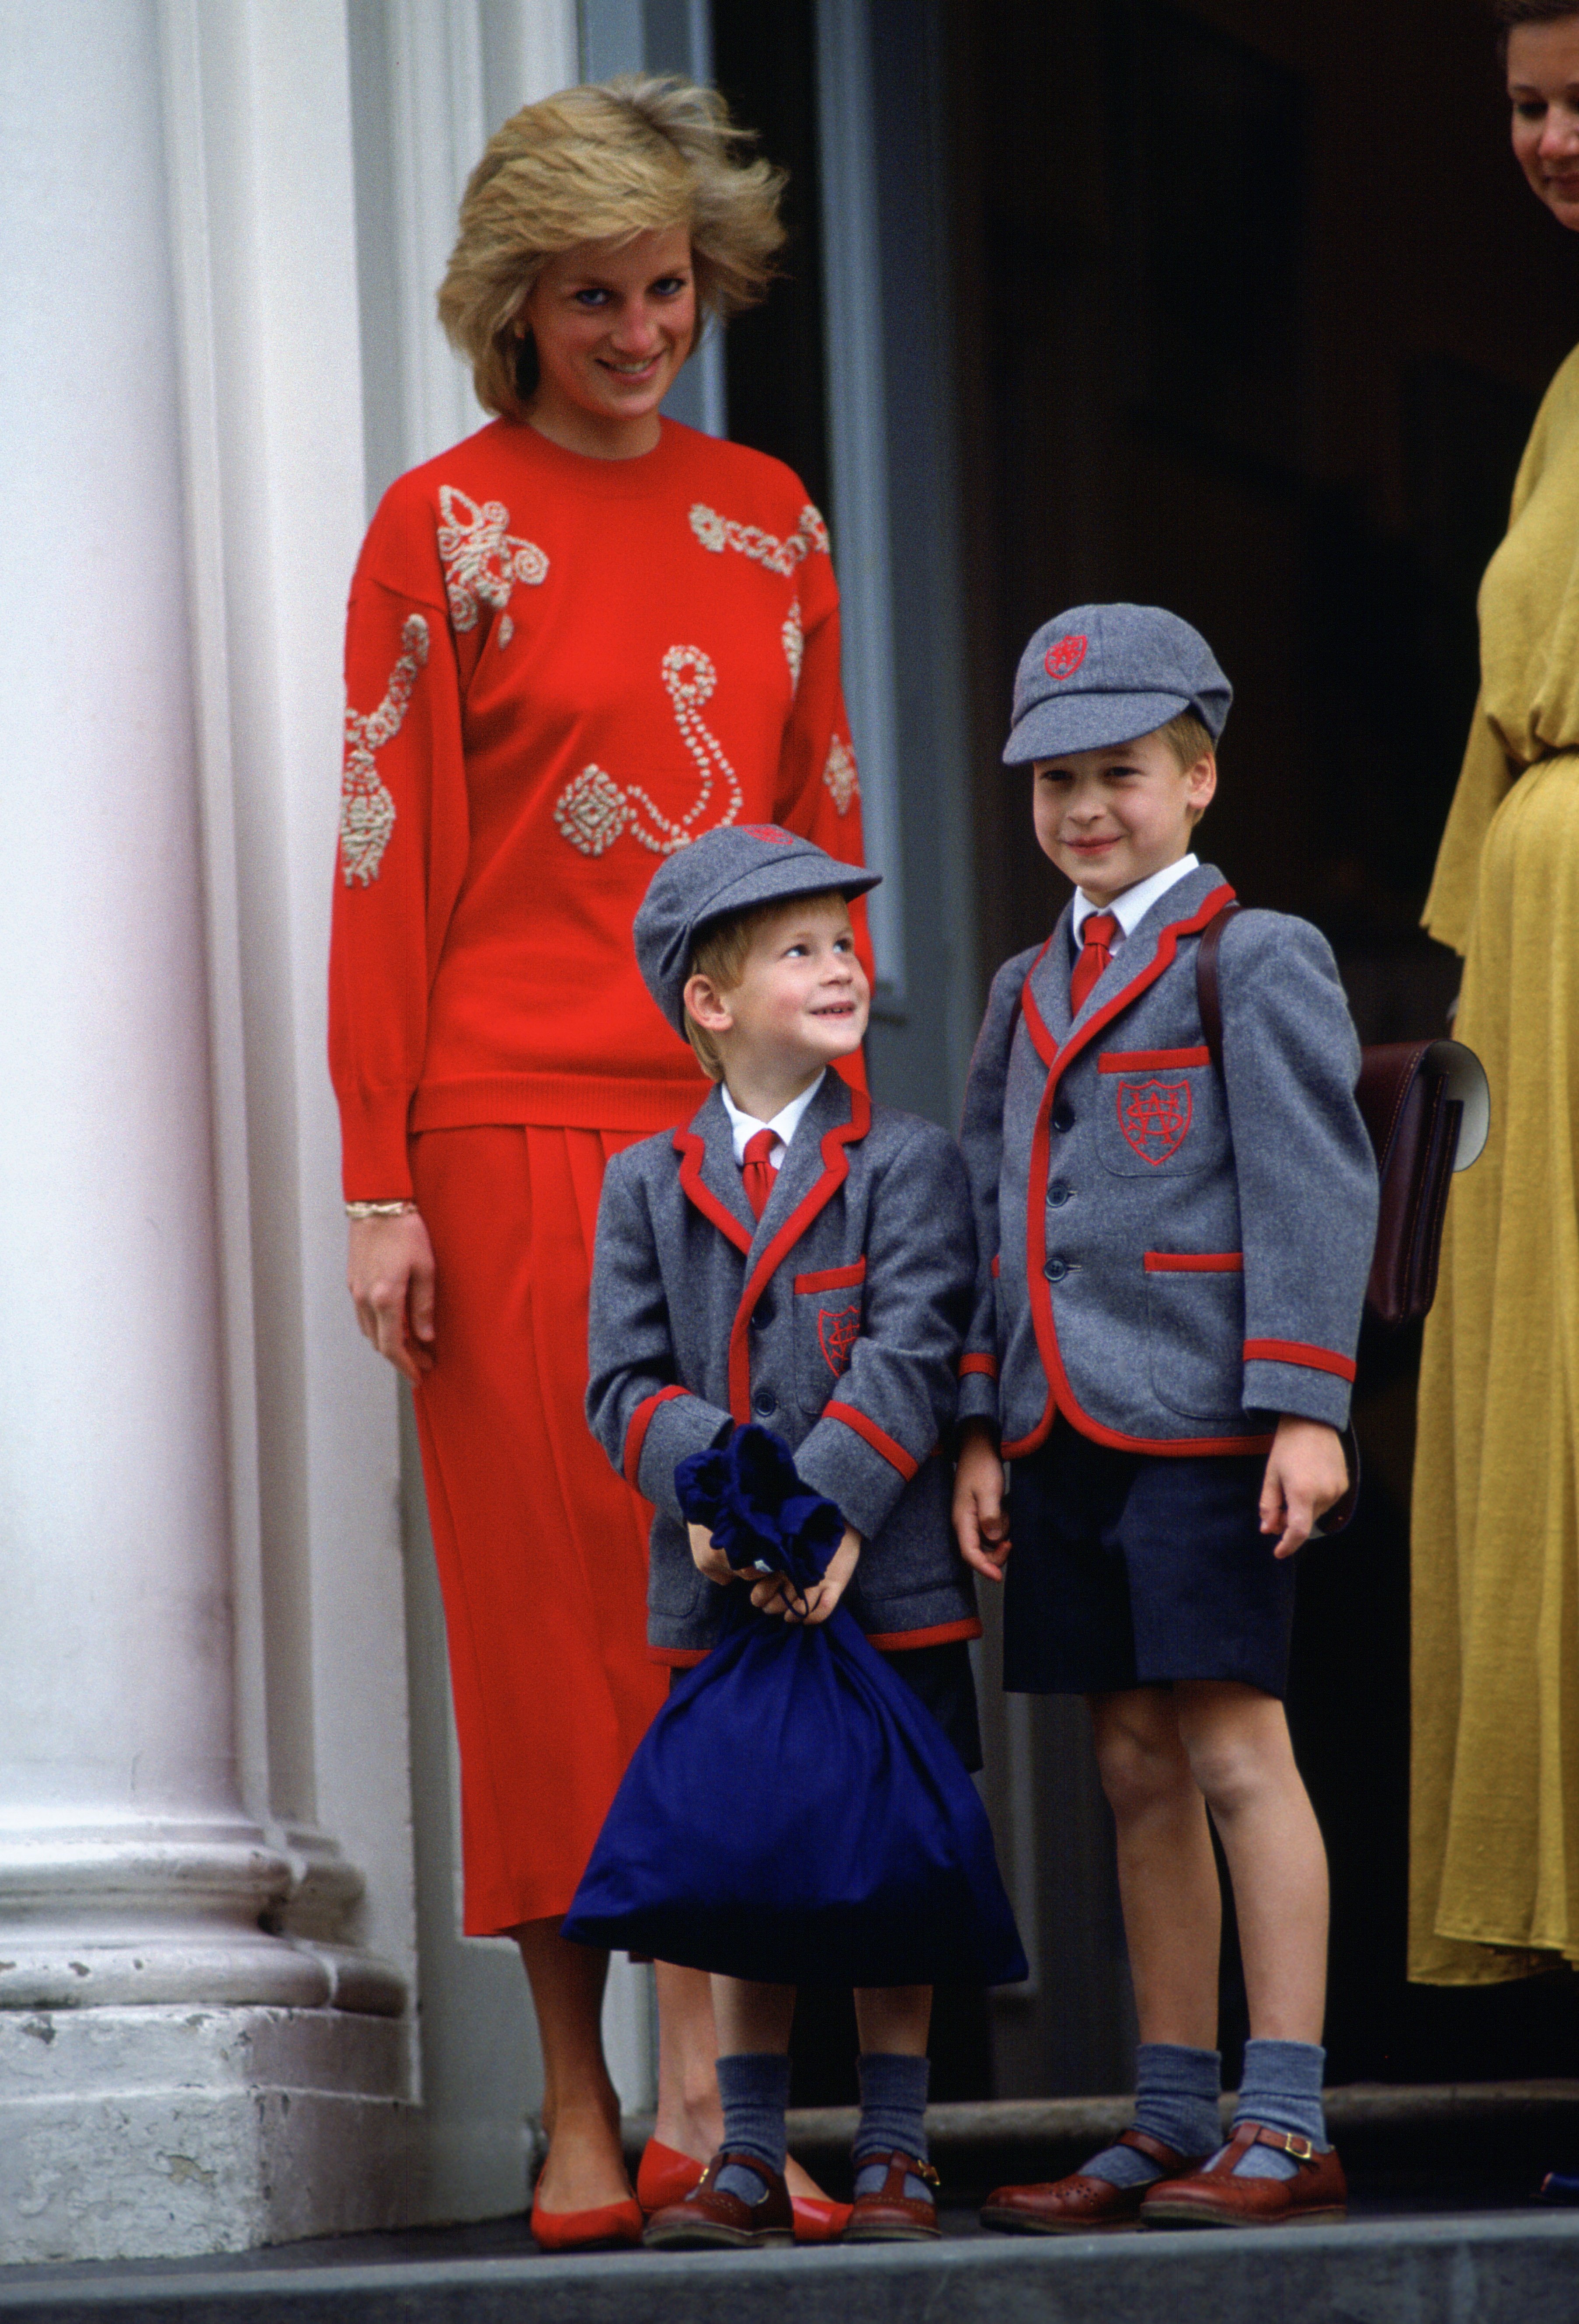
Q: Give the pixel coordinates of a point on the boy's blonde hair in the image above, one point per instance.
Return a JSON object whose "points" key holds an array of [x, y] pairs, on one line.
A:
{"points": [[719, 954], [641, 154], [1187, 739]]}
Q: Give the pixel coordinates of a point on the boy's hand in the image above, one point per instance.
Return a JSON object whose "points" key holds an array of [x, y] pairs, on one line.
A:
{"points": [[980, 1518], [709, 1561], [1307, 1473], [774, 1595]]}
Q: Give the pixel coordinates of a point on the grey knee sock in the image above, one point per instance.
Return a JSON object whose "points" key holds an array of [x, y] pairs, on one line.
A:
{"points": [[893, 2107], [1281, 2087], [755, 2089], [1176, 2101]]}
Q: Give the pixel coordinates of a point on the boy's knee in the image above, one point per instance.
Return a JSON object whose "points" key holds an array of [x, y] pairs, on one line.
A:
{"points": [[1140, 1766]]}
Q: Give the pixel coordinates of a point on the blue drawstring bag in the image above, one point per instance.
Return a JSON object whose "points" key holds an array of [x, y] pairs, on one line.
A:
{"points": [[794, 1814]]}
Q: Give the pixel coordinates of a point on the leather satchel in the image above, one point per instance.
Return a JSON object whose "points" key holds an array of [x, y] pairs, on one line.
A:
{"points": [[1427, 1105]]}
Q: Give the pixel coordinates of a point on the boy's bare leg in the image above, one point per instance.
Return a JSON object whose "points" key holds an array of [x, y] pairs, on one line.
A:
{"points": [[1237, 1739], [586, 2166], [1167, 1874], [895, 2019], [690, 2120], [751, 2018]]}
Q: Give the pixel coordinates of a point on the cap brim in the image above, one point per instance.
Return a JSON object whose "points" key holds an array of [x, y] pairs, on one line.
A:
{"points": [[773, 883], [1088, 722]]}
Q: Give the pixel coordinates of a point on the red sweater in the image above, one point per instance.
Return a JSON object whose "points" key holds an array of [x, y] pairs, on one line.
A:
{"points": [[557, 670]]}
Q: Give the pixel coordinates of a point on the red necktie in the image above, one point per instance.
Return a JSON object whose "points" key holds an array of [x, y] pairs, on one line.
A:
{"points": [[1095, 956], [757, 1171]]}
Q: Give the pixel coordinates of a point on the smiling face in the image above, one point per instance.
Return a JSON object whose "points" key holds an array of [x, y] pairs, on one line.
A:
{"points": [[800, 1002], [612, 323], [1543, 87], [1109, 818]]}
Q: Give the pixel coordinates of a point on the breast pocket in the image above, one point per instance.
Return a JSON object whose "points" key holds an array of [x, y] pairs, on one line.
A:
{"points": [[1194, 1318], [829, 1308], [1159, 1111]]}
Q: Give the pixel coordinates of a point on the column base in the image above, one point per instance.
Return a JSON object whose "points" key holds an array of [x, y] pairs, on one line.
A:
{"points": [[168, 2131]]}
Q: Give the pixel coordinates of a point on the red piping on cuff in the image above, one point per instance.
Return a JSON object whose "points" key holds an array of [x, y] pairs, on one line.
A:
{"points": [[636, 1435], [1150, 1061], [941, 1634], [879, 1441], [987, 1364], [1194, 1262], [998, 1265], [1295, 1351], [834, 1278], [678, 1657]]}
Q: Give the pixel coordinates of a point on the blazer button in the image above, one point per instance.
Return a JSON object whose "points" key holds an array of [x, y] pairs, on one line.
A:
{"points": [[765, 1401], [1058, 1193], [1063, 1115], [762, 1314], [1056, 1269]]}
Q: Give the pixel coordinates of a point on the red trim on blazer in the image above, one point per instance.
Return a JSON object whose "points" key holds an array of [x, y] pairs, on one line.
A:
{"points": [[988, 1364], [878, 1438], [941, 1634], [1295, 1351], [997, 1265], [692, 1151], [1151, 1061], [833, 1278], [1061, 1396], [1194, 1262], [640, 1422], [678, 1657], [836, 1169]]}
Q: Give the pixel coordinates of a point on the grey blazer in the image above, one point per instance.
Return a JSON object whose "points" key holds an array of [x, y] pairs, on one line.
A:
{"points": [[836, 1320], [1169, 1258]]}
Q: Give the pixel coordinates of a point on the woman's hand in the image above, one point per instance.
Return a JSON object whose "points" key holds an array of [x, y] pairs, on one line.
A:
{"points": [[390, 1273], [1307, 1473], [708, 1560], [775, 1595], [980, 1521]]}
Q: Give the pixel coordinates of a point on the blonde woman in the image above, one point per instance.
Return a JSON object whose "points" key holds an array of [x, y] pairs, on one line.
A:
{"points": [[577, 641]]}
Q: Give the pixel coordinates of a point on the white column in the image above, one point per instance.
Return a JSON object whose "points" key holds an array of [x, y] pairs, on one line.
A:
{"points": [[171, 2078]]}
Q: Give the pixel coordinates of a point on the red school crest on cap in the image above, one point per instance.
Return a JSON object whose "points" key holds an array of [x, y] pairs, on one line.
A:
{"points": [[769, 831], [1154, 1117], [1063, 656]]}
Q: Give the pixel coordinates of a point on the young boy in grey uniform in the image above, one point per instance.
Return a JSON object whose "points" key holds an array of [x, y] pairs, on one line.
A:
{"points": [[800, 1257], [1173, 1262]]}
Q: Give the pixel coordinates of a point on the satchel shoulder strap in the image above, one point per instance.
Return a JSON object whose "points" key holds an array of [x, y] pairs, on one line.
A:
{"points": [[1208, 984]]}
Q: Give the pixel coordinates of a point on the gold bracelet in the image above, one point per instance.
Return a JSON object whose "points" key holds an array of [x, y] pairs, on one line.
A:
{"points": [[378, 1210]]}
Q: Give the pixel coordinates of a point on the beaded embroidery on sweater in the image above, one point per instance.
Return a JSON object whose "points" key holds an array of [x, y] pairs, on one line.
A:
{"points": [[482, 559], [720, 532], [367, 812], [593, 809]]}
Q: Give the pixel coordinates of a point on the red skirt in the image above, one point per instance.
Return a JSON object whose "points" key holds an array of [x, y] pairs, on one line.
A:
{"points": [[541, 1547]]}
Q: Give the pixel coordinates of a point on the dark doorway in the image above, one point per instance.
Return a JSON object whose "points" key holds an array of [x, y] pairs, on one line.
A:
{"points": [[1255, 311]]}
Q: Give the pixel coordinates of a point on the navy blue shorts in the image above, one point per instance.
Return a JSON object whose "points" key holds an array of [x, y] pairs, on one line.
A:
{"points": [[1133, 1569]]}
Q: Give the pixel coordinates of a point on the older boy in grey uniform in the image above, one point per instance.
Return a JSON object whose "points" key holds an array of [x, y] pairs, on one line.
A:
{"points": [[1172, 1265], [804, 1258]]}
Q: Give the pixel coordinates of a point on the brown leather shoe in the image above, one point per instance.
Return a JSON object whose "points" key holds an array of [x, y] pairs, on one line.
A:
{"points": [[891, 2216], [1317, 2196], [712, 2220], [1081, 2206]]}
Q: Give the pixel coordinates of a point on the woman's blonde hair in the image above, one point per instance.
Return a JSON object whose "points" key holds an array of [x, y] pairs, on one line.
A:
{"points": [[638, 155]]}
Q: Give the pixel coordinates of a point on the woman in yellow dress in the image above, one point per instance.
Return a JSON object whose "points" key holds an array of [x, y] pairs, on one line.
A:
{"points": [[1494, 1842]]}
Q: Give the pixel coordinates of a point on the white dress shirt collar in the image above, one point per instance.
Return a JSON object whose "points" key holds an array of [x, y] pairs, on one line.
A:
{"points": [[1132, 907], [784, 1125]]}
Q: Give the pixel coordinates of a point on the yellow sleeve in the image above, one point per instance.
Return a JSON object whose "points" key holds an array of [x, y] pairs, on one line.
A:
{"points": [[1483, 783]]}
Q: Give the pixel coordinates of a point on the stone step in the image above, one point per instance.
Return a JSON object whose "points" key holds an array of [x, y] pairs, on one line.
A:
{"points": [[1493, 2269]]}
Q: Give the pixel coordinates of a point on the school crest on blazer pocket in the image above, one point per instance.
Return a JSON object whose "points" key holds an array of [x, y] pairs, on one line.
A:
{"points": [[837, 1329], [1154, 1117]]}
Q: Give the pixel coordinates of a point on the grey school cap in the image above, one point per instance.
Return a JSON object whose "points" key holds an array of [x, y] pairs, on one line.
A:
{"points": [[731, 869], [1100, 675]]}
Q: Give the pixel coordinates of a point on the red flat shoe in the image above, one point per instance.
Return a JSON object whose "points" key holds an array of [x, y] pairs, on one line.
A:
{"points": [[665, 2176], [818, 2219], [612, 2226]]}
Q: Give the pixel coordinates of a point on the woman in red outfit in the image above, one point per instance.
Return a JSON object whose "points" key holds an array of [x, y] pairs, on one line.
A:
{"points": [[576, 641]]}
